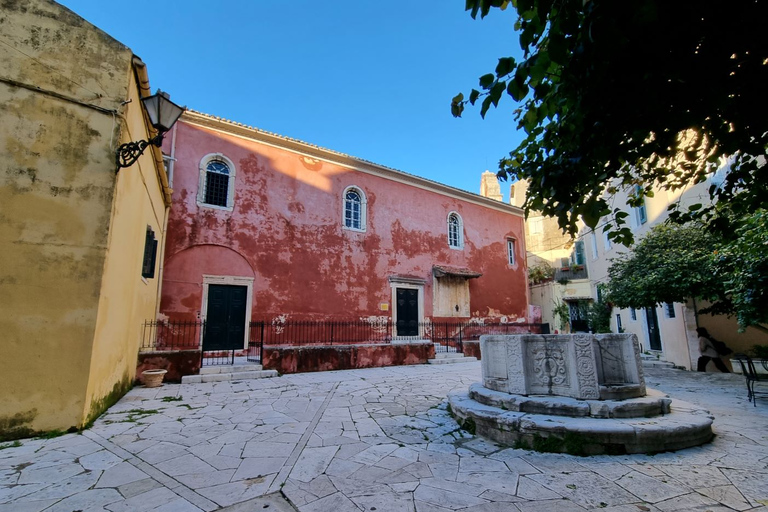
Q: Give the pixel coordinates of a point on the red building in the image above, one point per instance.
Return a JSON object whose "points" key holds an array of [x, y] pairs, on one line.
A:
{"points": [[264, 227]]}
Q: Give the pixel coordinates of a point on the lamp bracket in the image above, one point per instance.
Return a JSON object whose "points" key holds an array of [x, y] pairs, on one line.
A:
{"points": [[128, 153]]}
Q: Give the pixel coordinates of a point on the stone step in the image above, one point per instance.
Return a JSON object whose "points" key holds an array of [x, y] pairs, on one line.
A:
{"points": [[452, 360], [448, 355], [686, 425], [223, 377], [231, 368], [656, 363]]}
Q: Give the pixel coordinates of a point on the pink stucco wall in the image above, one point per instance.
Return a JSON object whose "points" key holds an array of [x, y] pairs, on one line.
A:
{"points": [[285, 231]]}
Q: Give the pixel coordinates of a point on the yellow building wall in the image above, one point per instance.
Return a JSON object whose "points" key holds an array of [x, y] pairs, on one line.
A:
{"points": [[726, 330], [126, 298], [60, 108]]}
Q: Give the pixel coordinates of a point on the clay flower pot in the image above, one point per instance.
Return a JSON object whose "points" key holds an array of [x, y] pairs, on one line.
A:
{"points": [[153, 378]]}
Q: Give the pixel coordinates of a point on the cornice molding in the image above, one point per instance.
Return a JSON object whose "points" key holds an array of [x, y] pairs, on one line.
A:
{"points": [[335, 157]]}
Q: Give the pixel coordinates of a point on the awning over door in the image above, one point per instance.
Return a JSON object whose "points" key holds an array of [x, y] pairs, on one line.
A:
{"points": [[444, 270]]}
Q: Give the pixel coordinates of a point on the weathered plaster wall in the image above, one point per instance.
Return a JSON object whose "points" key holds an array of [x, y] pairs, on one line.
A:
{"points": [[126, 299], [472, 349], [61, 78], [285, 230], [177, 363], [286, 359]]}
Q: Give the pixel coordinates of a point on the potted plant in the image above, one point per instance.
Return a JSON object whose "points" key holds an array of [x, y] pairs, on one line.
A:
{"points": [[759, 355], [760, 358], [153, 378]]}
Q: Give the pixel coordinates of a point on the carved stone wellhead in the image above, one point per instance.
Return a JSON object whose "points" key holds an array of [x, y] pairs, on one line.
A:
{"points": [[581, 394], [585, 366]]}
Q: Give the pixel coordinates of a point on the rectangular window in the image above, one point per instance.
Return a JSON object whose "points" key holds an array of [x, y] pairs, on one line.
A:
{"points": [[633, 314], [642, 216], [599, 293], [216, 188], [606, 241], [669, 309], [352, 215], [511, 251], [619, 327], [150, 255], [593, 239], [536, 226], [578, 253]]}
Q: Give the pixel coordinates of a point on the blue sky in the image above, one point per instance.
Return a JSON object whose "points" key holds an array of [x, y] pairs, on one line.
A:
{"points": [[371, 79]]}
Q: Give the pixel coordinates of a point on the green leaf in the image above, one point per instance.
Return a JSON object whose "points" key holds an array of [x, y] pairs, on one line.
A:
{"points": [[496, 91], [486, 105], [458, 98], [505, 66], [487, 80], [473, 96], [457, 109], [517, 89]]}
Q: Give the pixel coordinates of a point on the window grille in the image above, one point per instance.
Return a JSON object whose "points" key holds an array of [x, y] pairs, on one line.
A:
{"points": [[353, 210], [454, 231], [669, 308], [216, 183]]}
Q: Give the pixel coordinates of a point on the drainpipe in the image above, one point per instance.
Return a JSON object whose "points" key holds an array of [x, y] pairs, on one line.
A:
{"points": [[161, 267], [142, 79]]}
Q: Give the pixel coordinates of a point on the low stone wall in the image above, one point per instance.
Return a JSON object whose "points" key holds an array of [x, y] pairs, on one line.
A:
{"points": [[471, 349], [178, 363], [287, 359]]}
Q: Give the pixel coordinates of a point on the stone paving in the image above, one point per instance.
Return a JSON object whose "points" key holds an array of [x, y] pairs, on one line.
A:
{"points": [[370, 440]]}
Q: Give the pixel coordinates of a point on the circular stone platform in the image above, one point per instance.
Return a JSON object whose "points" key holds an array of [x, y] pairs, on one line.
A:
{"points": [[653, 423]]}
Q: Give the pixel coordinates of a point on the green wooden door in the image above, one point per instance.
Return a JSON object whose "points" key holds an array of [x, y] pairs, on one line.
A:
{"points": [[225, 318]]}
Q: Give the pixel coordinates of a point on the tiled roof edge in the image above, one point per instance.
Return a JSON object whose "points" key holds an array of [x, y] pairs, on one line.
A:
{"points": [[314, 150]]}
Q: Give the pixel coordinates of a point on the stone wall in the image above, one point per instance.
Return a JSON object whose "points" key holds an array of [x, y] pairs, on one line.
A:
{"points": [[472, 349], [287, 359], [178, 364]]}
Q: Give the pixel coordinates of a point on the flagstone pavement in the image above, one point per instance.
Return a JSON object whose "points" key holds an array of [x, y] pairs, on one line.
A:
{"points": [[370, 440]]}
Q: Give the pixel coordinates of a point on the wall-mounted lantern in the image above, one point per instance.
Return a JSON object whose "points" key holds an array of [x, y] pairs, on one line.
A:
{"points": [[163, 113]]}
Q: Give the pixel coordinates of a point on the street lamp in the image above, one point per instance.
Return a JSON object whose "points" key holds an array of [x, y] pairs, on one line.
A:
{"points": [[163, 113]]}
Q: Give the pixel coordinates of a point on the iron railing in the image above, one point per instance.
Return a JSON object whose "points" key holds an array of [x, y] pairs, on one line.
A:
{"points": [[171, 336], [447, 336], [165, 335], [571, 273]]}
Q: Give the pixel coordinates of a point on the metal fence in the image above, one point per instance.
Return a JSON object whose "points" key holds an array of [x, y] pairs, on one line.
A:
{"points": [[447, 336], [172, 336], [164, 335]]}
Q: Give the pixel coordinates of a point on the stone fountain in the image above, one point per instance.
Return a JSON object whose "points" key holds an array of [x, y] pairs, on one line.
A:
{"points": [[580, 393]]}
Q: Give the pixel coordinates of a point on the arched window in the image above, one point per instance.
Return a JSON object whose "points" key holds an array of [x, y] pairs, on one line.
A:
{"points": [[354, 209], [217, 180], [455, 231]]}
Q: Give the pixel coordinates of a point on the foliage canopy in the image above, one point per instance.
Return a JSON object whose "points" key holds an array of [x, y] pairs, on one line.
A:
{"points": [[614, 94], [669, 264], [676, 263]]}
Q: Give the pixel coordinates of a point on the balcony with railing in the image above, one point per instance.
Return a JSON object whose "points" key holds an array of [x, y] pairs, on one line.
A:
{"points": [[571, 273]]}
